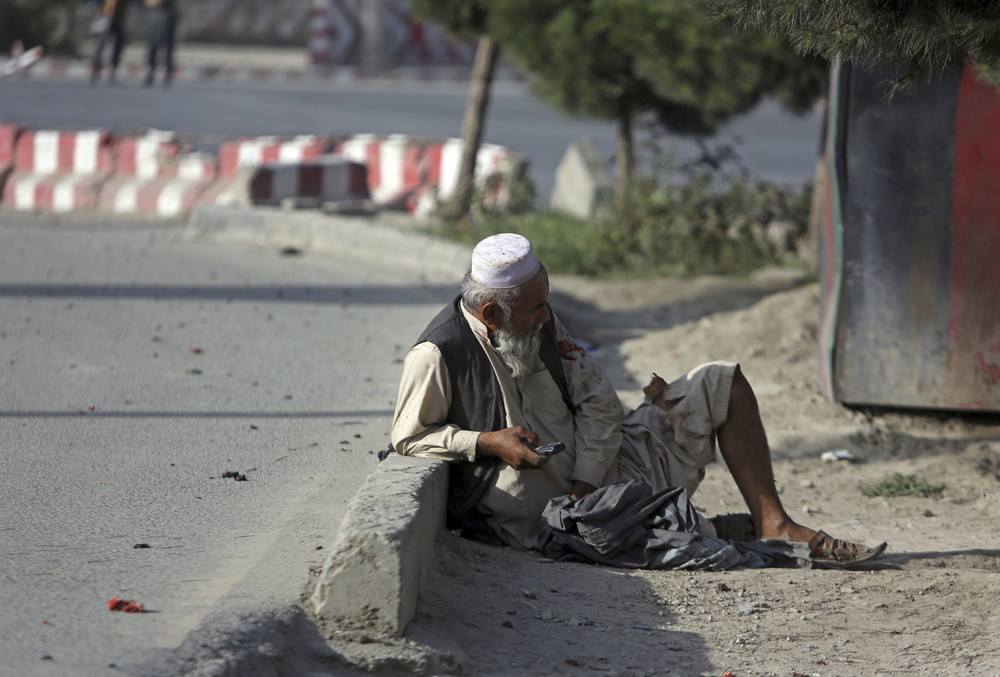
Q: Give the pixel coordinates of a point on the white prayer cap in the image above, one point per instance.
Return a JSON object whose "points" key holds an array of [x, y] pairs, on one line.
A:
{"points": [[504, 261]]}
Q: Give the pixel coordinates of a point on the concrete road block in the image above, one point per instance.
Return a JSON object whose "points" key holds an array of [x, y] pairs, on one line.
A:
{"points": [[385, 546], [327, 178], [583, 183], [59, 171], [239, 160]]}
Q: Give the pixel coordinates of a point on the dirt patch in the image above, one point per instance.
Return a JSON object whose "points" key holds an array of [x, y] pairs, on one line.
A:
{"points": [[929, 606]]}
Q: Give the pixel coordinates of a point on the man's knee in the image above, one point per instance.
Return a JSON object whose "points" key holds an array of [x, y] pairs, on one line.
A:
{"points": [[741, 395]]}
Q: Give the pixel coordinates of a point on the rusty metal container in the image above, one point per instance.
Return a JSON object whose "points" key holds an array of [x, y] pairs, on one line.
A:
{"points": [[910, 244]]}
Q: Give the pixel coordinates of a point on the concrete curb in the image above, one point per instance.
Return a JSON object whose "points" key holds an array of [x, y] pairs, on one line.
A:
{"points": [[388, 240], [385, 546]]}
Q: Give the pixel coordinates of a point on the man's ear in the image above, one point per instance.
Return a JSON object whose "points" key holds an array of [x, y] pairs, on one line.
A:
{"points": [[491, 315]]}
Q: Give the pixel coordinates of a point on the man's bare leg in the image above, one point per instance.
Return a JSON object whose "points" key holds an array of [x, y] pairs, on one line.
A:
{"points": [[748, 456], [744, 447]]}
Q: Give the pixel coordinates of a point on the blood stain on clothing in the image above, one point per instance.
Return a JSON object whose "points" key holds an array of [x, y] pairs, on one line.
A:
{"points": [[567, 350]]}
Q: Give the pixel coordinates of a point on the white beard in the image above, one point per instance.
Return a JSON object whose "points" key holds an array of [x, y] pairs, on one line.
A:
{"points": [[519, 353]]}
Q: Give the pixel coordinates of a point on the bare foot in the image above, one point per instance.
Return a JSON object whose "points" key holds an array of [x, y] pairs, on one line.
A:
{"points": [[823, 548], [786, 530]]}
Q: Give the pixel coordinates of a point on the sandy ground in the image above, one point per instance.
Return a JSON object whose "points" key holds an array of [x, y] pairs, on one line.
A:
{"points": [[928, 606]]}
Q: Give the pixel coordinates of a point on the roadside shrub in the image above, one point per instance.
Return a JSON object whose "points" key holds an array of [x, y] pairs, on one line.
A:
{"points": [[515, 196], [904, 485], [708, 216]]}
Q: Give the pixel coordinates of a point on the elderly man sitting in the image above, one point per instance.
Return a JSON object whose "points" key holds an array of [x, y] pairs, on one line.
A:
{"points": [[495, 374]]}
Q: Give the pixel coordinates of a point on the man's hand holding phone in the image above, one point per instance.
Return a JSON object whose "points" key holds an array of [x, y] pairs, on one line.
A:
{"points": [[550, 449]]}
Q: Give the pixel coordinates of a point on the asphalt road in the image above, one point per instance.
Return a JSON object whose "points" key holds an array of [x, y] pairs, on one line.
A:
{"points": [[773, 143], [136, 367]]}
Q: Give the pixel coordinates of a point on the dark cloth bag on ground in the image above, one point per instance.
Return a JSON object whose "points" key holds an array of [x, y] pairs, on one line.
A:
{"points": [[628, 525]]}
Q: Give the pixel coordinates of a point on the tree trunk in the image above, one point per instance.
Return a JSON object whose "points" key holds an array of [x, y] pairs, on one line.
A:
{"points": [[487, 55], [624, 159], [809, 245]]}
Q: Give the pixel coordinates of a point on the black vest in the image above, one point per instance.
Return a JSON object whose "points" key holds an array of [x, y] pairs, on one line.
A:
{"points": [[477, 404]]}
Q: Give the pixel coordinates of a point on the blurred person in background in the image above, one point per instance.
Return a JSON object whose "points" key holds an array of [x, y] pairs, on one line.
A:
{"points": [[110, 23], [161, 21]]}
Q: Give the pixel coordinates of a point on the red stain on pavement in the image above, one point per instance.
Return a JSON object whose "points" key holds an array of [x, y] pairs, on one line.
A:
{"points": [[129, 606]]}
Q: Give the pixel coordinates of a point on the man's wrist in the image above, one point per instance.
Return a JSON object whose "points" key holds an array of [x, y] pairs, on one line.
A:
{"points": [[466, 442], [480, 451]]}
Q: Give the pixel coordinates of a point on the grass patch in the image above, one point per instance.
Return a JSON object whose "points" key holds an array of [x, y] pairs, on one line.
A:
{"points": [[904, 485], [695, 230], [680, 219], [564, 243]]}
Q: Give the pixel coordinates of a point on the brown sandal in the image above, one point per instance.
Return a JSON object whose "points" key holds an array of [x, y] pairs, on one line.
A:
{"points": [[834, 552]]}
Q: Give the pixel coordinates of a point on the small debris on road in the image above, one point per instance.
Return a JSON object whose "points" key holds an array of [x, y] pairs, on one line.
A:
{"points": [[838, 455], [129, 606]]}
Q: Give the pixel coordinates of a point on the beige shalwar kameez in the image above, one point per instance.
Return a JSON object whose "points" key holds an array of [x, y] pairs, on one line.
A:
{"points": [[604, 444]]}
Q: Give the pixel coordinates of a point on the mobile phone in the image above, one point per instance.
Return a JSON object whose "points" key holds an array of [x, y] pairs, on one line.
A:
{"points": [[550, 448]]}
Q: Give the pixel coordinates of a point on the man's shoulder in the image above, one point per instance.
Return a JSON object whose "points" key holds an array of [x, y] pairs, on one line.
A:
{"points": [[425, 350], [446, 327], [423, 358]]}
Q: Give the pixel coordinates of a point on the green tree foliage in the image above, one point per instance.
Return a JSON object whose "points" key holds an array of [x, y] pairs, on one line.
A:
{"points": [[920, 37], [31, 21], [465, 19], [621, 59]]}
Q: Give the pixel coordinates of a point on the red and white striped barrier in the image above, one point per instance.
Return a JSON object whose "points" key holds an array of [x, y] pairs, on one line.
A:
{"points": [[8, 142], [240, 159], [59, 171], [155, 175], [145, 156], [321, 33], [326, 179], [417, 174], [262, 150], [394, 166]]}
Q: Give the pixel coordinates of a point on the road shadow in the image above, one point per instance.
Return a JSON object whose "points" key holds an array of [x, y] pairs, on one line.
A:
{"points": [[387, 295], [976, 558], [256, 414], [491, 610]]}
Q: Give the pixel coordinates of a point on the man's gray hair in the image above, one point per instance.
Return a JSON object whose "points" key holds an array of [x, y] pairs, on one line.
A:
{"points": [[476, 295]]}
